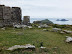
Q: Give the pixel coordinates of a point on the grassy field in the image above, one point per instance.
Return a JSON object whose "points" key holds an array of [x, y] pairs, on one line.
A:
{"points": [[11, 37]]}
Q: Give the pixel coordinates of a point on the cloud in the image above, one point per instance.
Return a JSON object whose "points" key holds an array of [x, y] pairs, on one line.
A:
{"points": [[50, 8]]}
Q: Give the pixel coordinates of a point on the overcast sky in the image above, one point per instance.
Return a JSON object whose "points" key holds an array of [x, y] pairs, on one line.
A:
{"points": [[43, 8]]}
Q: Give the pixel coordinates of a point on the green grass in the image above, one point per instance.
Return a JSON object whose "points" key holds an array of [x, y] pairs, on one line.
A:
{"points": [[11, 37]]}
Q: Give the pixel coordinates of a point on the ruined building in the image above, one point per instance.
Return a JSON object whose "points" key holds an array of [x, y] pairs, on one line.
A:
{"points": [[1, 15], [26, 20], [16, 15], [9, 15]]}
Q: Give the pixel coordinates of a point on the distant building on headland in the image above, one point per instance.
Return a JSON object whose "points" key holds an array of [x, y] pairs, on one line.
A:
{"points": [[26, 20], [9, 15]]}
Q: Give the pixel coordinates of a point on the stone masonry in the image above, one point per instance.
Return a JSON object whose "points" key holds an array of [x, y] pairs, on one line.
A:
{"points": [[1, 15], [26, 20], [16, 15], [9, 15]]}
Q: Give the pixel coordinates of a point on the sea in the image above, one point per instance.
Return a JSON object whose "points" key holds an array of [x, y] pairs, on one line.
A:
{"points": [[69, 22]]}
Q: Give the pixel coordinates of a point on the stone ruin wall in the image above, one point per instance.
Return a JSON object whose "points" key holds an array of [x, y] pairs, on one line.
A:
{"points": [[26, 20], [9, 15], [1, 15], [16, 15]]}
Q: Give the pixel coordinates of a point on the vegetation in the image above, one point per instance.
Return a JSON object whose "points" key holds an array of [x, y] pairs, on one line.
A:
{"points": [[53, 41], [69, 27], [46, 21]]}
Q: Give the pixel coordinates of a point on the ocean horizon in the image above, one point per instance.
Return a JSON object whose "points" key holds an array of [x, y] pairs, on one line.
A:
{"points": [[69, 22]]}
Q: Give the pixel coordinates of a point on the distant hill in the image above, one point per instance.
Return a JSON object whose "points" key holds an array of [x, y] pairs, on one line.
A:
{"points": [[62, 20], [46, 21]]}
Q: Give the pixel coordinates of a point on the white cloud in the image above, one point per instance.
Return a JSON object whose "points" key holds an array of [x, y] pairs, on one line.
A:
{"points": [[42, 8]]}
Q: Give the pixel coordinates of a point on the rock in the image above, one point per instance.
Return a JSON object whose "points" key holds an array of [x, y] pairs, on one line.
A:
{"points": [[62, 32], [24, 26], [66, 31], [3, 28], [55, 47], [21, 46], [45, 30], [20, 26], [39, 26], [44, 26], [56, 29], [29, 46], [69, 39], [30, 27], [67, 36], [42, 47], [17, 26]]}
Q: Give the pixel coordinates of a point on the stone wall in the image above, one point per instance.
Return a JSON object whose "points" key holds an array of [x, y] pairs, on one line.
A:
{"points": [[9, 15], [1, 15], [26, 20], [16, 15]]}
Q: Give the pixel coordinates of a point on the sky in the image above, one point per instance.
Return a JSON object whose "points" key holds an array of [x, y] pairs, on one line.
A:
{"points": [[42, 8]]}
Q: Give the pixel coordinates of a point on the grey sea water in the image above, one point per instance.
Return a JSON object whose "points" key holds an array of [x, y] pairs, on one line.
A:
{"points": [[69, 22]]}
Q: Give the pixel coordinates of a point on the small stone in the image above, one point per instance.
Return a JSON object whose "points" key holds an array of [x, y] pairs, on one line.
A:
{"points": [[42, 47], [3, 28]]}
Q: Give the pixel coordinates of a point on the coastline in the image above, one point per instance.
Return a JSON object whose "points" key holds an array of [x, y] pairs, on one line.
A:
{"points": [[54, 20]]}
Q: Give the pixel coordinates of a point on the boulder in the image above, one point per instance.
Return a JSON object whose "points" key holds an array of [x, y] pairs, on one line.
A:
{"points": [[29, 27], [45, 30], [21, 47], [24, 26], [39, 26], [56, 29], [17, 26], [68, 39], [44, 26], [67, 31], [62, 32], [3, 28]]}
